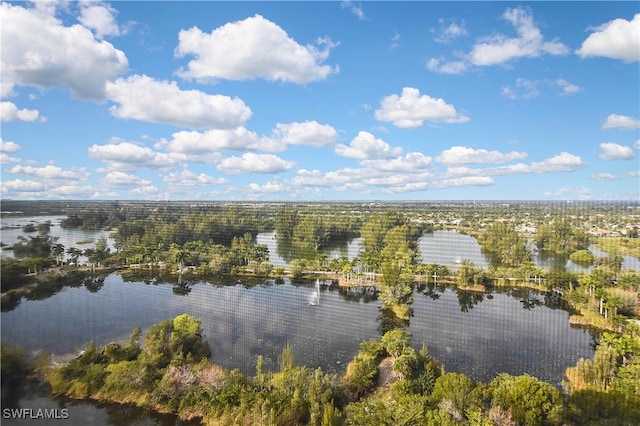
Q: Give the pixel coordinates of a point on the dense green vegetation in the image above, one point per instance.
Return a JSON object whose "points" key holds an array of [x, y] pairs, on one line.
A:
{"points": [[387, 382], [561, 237], [584, 257], [504, 244], [390, 246], [311, 231]]}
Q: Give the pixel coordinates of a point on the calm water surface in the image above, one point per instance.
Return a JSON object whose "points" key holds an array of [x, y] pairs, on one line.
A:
{"points": [[11, 229], [475, 334], [450, 247]]}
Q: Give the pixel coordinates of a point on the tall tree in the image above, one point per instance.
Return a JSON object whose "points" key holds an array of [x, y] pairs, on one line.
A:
{"points": [[561, 238], [74, 254], [504, 244], [58, 252]]}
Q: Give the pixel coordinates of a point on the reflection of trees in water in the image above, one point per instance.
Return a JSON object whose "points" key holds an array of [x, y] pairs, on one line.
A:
{"points": [[431, 290], [15, 388], [93, 283], [284, 249], [468, 299], [55, 285], [387, 321], [528, 298], [553, 300], [359, 294], [45, 290], [288, 251], [182, 287], [552, 261], [529, 303], [11, 301]]}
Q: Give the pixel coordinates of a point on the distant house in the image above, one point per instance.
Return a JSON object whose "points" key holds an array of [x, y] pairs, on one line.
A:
{"points": [[600, 232]]}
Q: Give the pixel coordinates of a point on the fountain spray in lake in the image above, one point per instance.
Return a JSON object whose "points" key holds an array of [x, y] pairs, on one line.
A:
{"points": [[314, 298]]}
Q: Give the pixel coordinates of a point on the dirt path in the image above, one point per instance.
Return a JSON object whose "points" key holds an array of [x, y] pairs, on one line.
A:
{"points": [[386, 376]]}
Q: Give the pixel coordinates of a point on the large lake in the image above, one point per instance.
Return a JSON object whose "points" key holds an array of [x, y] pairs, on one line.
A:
{"points": [[515, 331], [481, 335]]}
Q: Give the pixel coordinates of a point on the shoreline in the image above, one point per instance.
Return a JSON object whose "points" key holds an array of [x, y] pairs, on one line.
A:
{"points": [[55, 278]]}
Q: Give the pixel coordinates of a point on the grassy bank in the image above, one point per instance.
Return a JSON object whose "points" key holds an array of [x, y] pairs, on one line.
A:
{"points": [[617, 245]]}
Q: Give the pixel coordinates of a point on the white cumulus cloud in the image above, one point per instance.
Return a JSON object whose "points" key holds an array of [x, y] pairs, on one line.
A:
{"points": [[466, 181], [448, 33], [407, 187], [252, 48], [71, 190], [101, 18], [563, 162], [129, 156], [410, 110], [39, 50], [187, 178], [603, 177], [623, 122], [141, 97], [118, 179], [8, 146], [614, 151], [580, 193], [269, 187], [144, 190], [499, 49], [617, 39], [6, 158], [254, 163], [443, 66], [457, 155], [366, 146], [19, 185], [192, 142], [567, 88], [50, 172], [310, 133], [412, 161], [10, 112]]}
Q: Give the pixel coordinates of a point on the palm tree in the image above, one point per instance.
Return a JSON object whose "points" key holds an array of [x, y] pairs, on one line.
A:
{"points": [[58, 251], [92, 257], [624, 344], [602, 295], [613, 302], [465, 274], [74, 253], [32, 263], [179, 256]]}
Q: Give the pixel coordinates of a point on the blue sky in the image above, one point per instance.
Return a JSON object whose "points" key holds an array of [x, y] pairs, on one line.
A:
{"points": [[320, 101]]}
